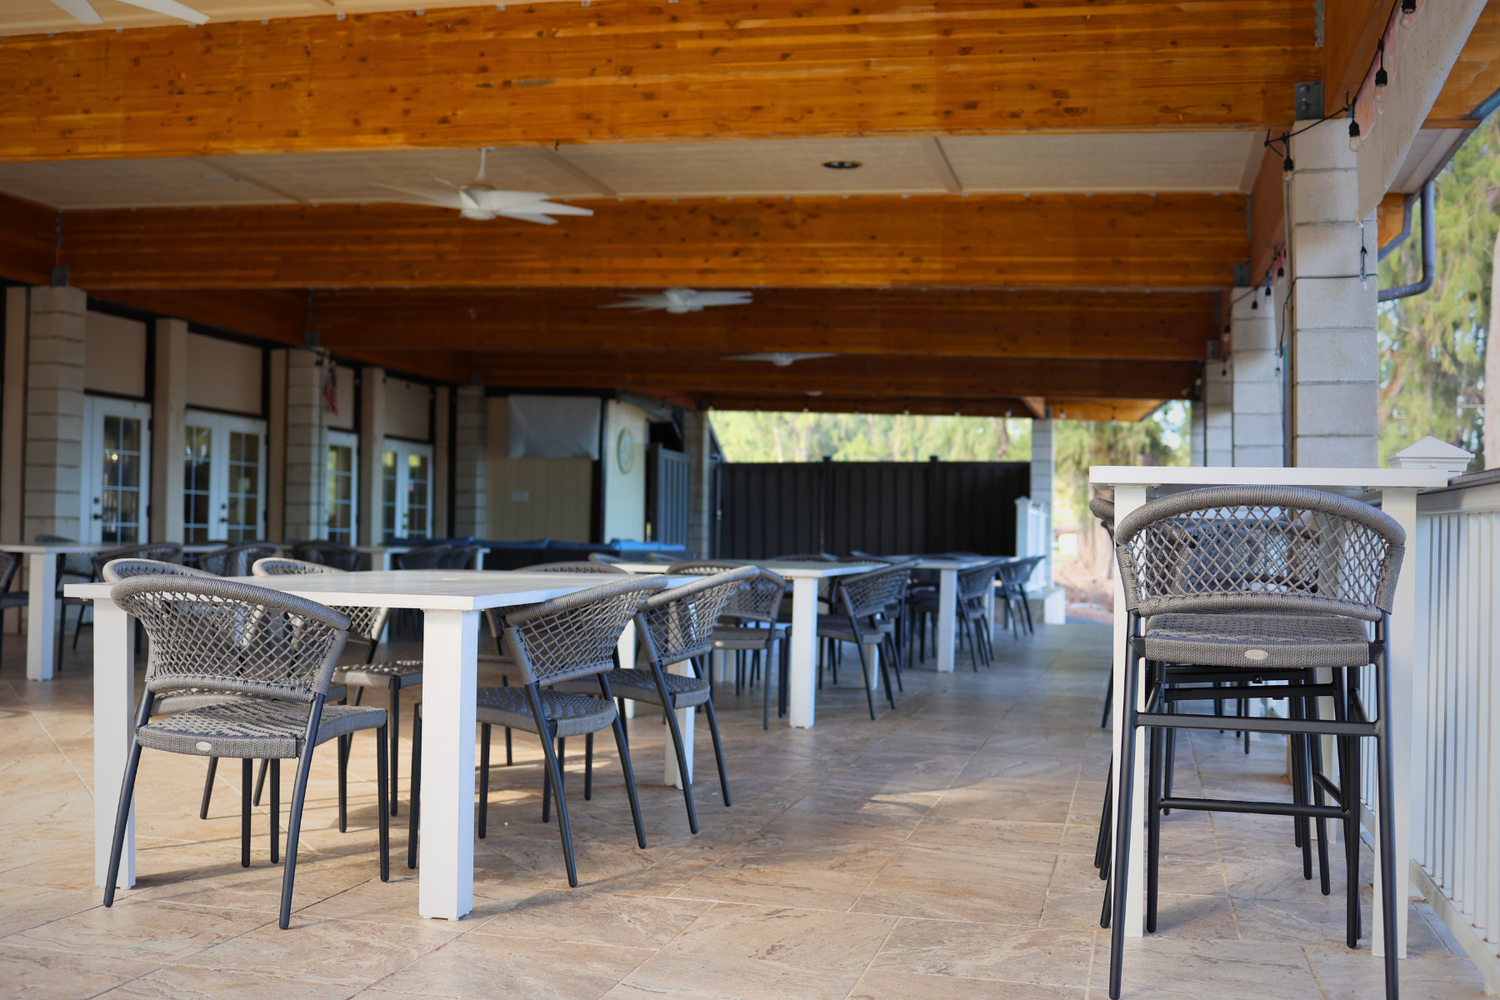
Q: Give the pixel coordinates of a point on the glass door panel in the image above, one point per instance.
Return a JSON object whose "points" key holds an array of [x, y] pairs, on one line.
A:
{"points": [[224, 478], [197, 474], [116, 470], [343, 484], [242, 508], [406, 490]]}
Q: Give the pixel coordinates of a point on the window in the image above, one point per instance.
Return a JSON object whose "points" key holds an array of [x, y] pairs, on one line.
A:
{"points": [[406, 490], [343, 452], [223, 478]]}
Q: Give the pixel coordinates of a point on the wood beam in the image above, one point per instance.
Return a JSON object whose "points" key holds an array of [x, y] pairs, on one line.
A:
{"points": [[278, 315], [1267, 215], [1025, 323], [894, 377], [1037, 405], [618, 70], [28, 241], [1078, 409], [1352, 29], [1179, 241], [1474, 79]]}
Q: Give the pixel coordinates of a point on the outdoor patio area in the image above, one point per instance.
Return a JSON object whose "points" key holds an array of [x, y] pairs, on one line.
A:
{"points": [[943, 851]]}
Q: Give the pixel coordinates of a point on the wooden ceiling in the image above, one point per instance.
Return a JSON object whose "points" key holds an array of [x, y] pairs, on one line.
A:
{"points": [[1096, 298]]}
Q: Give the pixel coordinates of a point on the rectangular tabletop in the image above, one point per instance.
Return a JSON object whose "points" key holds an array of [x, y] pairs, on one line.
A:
{"points": [[451, 601], [1396, 489]]}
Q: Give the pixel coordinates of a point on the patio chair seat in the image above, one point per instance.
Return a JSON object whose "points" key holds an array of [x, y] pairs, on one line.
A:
{"points": [[745, 636], [638, 685], [191, 699], [253, 728], [380, 674], [575, 714], [1258, 641]]}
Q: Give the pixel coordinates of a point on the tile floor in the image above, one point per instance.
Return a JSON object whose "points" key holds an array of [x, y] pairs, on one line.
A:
{"points": [[942, 852]]}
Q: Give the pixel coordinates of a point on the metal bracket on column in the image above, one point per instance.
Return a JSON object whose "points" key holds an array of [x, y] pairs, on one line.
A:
{"points": [[1310, 101]]}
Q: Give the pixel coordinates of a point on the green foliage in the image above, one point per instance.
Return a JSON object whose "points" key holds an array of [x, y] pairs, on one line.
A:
{"points": [[1432, 346], [749, 436], [1160, 439]]}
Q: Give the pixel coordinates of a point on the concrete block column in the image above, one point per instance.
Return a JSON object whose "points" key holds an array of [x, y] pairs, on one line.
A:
{"points": [[306, 489], [1254, 371], [1043, 470], [168, 413], [1215, 415], [371, 452], [54, 412], [471, 474], [1334, 355]]}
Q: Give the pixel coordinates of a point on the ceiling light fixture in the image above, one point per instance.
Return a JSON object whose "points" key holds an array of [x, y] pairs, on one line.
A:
{"points": [[842, 164]]}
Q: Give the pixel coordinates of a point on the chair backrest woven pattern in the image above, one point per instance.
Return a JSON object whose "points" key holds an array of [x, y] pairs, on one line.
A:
{"points": [[330, 554], [9, 563], [600, 557], [575, 567], [219, 635], [123, 569], [972, 583], [758, 599], [1104, 510], [236, 560], [680, 622], [575, 635], [427, 557], [79, 564], [1244, 548], [871, 593], [460, 556], [804, 557], [364, 623], [161, 551]]}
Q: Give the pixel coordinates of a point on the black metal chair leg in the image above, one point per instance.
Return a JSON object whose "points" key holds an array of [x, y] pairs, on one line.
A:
{"points": [[713, 729], [554, 771], [294, 822], [343, 757], [1109, 700], [395, 727], [385, 821], [276, 811], [245, 806], [260, 783], [864, 671], [122, 818], [1315, 746], [1391, 890], [484, 778], [208, 787], [682, 763], [412, 820], [588, 767], [1155, 744]]}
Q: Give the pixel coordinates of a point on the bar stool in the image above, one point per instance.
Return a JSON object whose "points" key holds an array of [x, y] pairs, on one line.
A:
{"points": [[1275, 581]]}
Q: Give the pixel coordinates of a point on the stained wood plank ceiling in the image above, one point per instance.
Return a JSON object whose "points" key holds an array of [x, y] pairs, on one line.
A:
{"points": [[1047, 200]]}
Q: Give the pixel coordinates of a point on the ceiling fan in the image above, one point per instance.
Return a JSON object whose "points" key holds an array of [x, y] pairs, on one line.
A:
{"points": [[781, 359], [85, 12], [482, 202], [679, 300]]}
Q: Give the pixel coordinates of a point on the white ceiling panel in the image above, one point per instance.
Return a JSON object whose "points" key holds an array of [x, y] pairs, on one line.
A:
{"points": [[1119, 161], [155, 183], [762, 167]]}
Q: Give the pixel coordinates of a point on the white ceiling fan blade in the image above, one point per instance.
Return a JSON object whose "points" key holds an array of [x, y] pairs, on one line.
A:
{"points": [[171, 8], [440, 198], [544, 220], [638, 302], [722, 298], [81, 9]]}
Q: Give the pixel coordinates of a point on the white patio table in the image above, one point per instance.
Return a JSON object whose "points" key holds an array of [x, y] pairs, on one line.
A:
{"points": [[948, 570], [451, 602], [1396, 491], [41, 600]]}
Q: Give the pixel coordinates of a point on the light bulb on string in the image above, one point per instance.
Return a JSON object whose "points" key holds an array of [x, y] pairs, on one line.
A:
{"points": [[1408, 13], [1355, 142], [1382, 80]]}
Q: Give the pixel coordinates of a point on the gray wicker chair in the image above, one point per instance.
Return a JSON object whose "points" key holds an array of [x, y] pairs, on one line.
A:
{"points": [[677, 626], [235, 560], [460, 556], [1275, 581], [425, 557], [330, 554], [588, 566], [10, 563], [752, 626], [71, 567], [275, 654], [863, 616], [601, 557], [365, 625], [162, 551], [565, 639]]}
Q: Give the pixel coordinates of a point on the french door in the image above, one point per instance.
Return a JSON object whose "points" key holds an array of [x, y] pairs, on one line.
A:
{"points": [[116, 473], [223, 478], [343, 487], [406, 485]]}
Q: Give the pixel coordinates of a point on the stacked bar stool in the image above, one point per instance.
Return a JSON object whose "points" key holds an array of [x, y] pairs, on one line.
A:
{"points": [[1277, 582]]}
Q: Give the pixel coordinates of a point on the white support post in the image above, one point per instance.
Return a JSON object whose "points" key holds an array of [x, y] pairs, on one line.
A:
{"points": [[114, 711], [802, 684], [41, 632], [450, 648], [947, 637], [685, 716], [1127, 499]]}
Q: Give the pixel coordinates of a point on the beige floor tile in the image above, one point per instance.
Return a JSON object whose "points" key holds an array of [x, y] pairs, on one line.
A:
{"points": [[175, 982], [991, 888], [585, 918], [47, 974], [778, 871], [1006, 799], [483, 966], [26, 906], [889, 985], [141, 930], [987, 951], [1163, 966], [354, 952], [1001, 835], [1343, 974]]}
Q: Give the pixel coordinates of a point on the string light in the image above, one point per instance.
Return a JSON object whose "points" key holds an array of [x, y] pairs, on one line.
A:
{"points": [[1382, 80], [1355, 142], [1286, 168], [1408, 13]]}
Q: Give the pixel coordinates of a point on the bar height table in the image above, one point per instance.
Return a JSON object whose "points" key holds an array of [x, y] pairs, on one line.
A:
{"points": [[451, 602], [1396, 490]]}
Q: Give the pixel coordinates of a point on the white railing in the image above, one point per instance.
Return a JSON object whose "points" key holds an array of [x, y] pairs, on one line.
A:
{"points": [[1034, 538], [1455, 837]]}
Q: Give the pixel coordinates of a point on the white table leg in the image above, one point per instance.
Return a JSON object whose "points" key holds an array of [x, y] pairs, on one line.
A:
{"points": [[450, 650], [625, 649], [1127, 499], [872, 657], [41, 624], [685, 726], [114, 715], [802, 685], [947, 618], [1401, 504]]}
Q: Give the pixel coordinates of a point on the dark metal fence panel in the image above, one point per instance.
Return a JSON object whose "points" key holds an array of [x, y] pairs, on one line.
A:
{"points": [[669, 485], [767, 509]]}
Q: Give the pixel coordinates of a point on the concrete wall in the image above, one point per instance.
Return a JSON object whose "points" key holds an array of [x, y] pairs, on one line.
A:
{"points": [[306, 490], [471, 488], [697, 432], [57, 335], [223, 375], [372, 415], [1257, 392], [114, 355], [168, 412]]}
